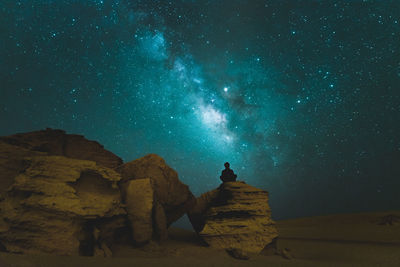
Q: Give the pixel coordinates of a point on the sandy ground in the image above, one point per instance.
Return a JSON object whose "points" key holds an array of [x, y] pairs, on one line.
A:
{"points": [[365, 239]]}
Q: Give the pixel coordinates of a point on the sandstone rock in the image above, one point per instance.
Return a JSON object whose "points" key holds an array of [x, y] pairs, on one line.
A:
{"points": [[159, 222], [53, 203], [139, 205], [12, 162], [57, 142], [174, 196], [234, 216]]}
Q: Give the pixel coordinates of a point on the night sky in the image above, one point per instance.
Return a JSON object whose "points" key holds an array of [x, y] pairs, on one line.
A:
{"points": [[301, 97]]}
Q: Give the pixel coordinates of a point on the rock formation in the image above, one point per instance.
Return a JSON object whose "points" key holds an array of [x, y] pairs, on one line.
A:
{"points": [[139, 206], [58, 143], [235, 217], [12, 162], [66, 195], [56, 204], [172, 198], [62, 194]]}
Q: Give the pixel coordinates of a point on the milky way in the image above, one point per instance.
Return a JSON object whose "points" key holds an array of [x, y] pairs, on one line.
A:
{"points": [[301, 97]]}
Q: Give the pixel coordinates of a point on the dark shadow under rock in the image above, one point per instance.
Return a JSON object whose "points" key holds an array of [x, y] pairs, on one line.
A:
{"points": [[271, 248], [238, 254], [86, 239]]}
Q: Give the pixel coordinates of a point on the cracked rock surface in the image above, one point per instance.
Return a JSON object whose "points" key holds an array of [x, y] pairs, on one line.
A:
{"points": [[234, 216], [54, 204]]}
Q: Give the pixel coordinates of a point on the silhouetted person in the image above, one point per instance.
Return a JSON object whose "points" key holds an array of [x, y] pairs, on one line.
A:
{"points": [[228, 175]]}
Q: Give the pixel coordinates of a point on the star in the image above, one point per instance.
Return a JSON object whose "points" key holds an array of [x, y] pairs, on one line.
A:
{"points": [[259, 89]]}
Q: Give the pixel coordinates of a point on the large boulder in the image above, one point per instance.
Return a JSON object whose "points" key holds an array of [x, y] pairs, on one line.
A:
{"points": [[55, 204], [139, 206], [172, 198], [58, 143], [236, 216]]}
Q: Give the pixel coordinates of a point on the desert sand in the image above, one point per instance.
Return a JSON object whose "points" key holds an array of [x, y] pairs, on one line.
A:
{"points": [[363, 239]]}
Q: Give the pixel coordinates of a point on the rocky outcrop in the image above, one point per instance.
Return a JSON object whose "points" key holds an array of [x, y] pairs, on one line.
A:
{"points": [[235, 217], [66, 195], [56, 204], [172, 198], [58, 143]]}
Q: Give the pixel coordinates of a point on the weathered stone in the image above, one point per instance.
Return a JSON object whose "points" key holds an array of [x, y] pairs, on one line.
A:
{"points": [[139, 198], [13, 160], [58, 143], [235, 216], [159, 222], [52, 203], [174, 196]]}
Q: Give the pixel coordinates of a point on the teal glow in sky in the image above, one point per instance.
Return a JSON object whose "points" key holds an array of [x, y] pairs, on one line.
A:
{"points": [[301, 97]]}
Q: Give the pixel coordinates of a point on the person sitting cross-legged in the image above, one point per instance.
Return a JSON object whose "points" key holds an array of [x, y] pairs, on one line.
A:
{"points": [[228, 175]]}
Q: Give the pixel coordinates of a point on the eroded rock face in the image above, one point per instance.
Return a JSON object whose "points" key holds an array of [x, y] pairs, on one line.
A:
{"points": [[58, 143], [53, 204], [62, 194], [139, 206], [234, 216], [159, 222], [174, 197], [12, 162]]}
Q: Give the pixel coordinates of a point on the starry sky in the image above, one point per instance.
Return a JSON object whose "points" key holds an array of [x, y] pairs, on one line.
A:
{"points": [[301, 97]]}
